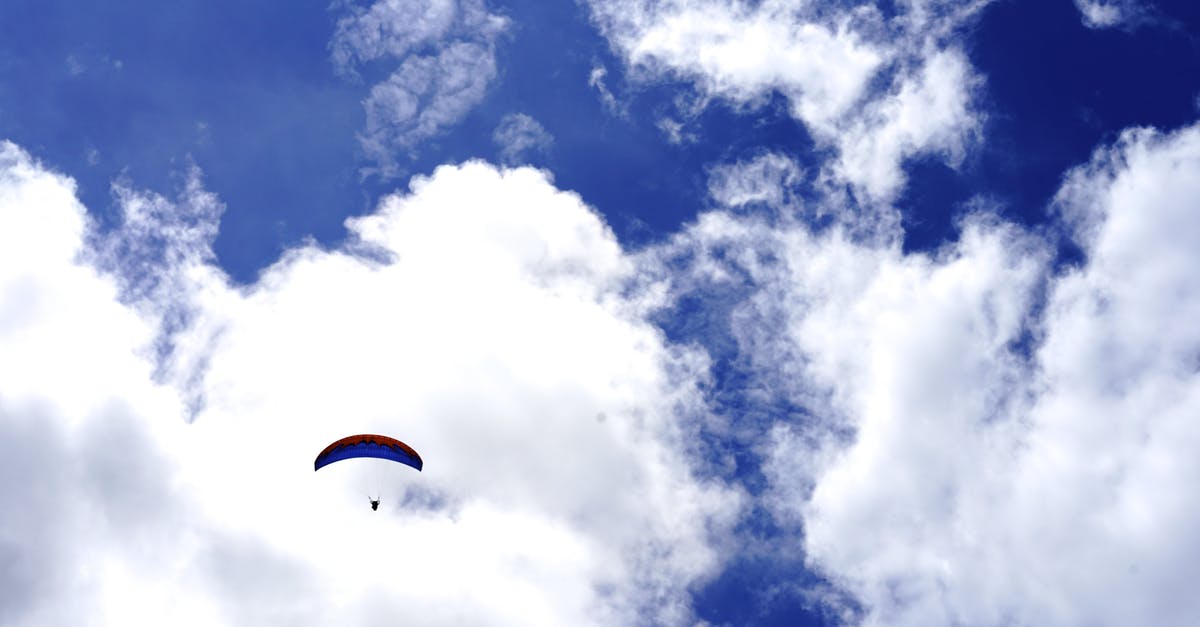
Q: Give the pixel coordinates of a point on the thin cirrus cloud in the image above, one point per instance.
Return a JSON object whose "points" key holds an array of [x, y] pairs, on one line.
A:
{"points": [[596, 80], [447, 59], [557, 489], [518, 136]]}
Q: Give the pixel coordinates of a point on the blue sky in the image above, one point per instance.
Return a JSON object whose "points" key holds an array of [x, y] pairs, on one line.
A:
{"points": [[699, 311]]}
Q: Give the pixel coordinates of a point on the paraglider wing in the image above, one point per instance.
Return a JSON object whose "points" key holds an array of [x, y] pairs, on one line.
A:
{"points": [[368, 445]]}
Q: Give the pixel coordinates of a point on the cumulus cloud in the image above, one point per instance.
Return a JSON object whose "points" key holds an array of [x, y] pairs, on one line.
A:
{"points": [[519, 134], [740, 53], [496, 336], [86, 484], [928, 112], [851, 76], [983, 439], [447, 58]]}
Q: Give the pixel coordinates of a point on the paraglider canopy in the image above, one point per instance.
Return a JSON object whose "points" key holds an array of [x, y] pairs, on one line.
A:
{"points": [[368, 445]]}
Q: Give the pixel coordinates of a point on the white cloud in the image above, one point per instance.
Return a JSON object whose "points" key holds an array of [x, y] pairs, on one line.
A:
{"points": [[853, 78], [519, 134], [51, 304], [425, 96], [1110, 13], [447, 59], [499, 341], [390, 28], [914, 358], [987, 440], [739, 53], [161, 257], [596, 81], [768, 179], [675, 131], [929, 111], [84, 477]]}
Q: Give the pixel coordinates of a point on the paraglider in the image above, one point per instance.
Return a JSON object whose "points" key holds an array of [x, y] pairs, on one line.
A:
{"points": [[369, 445]]}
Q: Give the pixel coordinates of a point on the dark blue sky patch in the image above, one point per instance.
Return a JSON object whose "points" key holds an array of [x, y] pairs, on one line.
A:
{"points": [[758, 591], [763, 586], [1056, 90], [937, 196]]}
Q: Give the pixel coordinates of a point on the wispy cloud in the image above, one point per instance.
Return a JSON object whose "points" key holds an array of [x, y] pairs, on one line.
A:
{"points": [[597, 80], [768, 179], [1112, 13], [425, 96], [517, 135], [446, 55], [391, 29]]}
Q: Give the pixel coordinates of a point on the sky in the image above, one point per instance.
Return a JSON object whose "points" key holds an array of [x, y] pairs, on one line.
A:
{"points": [[699, 312]]}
